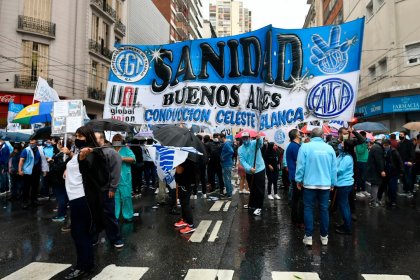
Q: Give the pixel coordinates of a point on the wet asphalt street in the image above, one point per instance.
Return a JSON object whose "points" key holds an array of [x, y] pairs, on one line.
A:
{"points": [[384, 242]]}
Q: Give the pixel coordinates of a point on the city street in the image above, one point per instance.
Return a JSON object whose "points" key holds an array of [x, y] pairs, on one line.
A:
{"points": [[228, 244]]}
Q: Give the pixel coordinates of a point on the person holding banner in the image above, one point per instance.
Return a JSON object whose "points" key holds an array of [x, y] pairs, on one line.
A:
{"points": [[251, 159]]}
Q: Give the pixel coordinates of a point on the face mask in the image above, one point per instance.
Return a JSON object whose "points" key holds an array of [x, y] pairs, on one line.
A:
{"points": [[345, 137], [48, 144], [401, 138], [116, 143], [246, 142], [33, 146], [80, 143]]}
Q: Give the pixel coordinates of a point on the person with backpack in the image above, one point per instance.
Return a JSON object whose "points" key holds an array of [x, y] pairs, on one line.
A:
{"points": [[226, 160], [214, 167]]}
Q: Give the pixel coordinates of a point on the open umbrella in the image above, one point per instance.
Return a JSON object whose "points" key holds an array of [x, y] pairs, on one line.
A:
{"points": [[110, 125], [252, 133], [42, 133], [369, 136], [412, 126], [35, 113], [176, 136], [307, 129], [374, 127], [15, 136]]}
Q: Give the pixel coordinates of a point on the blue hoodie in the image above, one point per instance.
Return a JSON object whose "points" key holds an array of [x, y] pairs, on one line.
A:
{"points": [[246, 156], [291, 158], [344, 170], [316, 165], [226, 156]]}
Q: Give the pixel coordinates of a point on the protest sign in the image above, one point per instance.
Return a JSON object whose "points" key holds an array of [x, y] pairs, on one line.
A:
{"points": [[67, 116], [270, 79], [13, 110]]}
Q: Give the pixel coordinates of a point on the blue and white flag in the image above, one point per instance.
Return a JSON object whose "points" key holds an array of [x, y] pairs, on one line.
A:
{"points": [[167, 158], [269, 79], [14, 109]]}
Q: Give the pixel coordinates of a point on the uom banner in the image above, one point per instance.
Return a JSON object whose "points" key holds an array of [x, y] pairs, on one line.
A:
{"points": [[269, 79]]}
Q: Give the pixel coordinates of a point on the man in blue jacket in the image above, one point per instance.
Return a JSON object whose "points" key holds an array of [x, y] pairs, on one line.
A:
{"points": [[291, 158], [316, 172], [226, 160], [255, 171]]}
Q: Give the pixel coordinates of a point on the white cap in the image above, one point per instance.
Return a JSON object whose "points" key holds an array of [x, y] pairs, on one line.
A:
{"points": [[245, 134]]}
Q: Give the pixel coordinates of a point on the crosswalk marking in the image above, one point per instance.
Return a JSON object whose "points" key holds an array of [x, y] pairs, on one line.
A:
{"points": [[121, 272], [294, 275], [209, 274], [37, 271], [201, 231], [227, 206], [217, 206], [215, 231], [385, 277]]}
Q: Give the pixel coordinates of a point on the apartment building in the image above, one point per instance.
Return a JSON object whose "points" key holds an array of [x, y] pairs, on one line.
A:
{"points": [[229, 17]]}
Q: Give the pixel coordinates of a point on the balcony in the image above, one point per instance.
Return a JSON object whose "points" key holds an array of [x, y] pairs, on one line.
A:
{"points": [[99, 49], [96, 94], [120, 27], [182, 33], [36, 26], [105, 9], [28, 82]]}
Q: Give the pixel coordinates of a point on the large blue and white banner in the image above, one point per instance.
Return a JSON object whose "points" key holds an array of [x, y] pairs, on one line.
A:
{"points": [[270, 79]]}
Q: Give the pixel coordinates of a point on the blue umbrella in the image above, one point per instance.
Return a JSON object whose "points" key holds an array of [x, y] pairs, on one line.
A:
{"points": [[371, 127], [15, 136]]}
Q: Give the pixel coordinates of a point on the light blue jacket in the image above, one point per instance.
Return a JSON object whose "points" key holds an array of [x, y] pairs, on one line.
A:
{"points": [[246, 155], [344, 170], [226, 156], [28, 165], [49, 151], [316, 165]]}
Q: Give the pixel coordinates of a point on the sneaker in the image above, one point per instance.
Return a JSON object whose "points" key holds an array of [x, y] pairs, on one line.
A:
{"points": [[410, 195], [66, 228], [373, 204], [307, 240], [58, 219], [187, 229], [276, 196], [360, 195], [240, 192], [157, 191], [324, 240], [402, 194], [257, 212], [204, 196], [118, 244], [195, 196], [246, 192], [246, 206], [367, 194], [180, 224], [270, 197]]}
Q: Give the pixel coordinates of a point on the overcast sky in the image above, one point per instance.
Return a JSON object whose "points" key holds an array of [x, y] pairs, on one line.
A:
{"points": [[279, 13]]}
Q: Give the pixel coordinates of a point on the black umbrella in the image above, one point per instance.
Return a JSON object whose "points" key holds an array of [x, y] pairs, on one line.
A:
{"points": [[42, 133], [110, 125], [175, 136]]}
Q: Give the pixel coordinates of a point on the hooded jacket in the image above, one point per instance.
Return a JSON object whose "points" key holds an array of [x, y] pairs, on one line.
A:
{"points": [[246, 155]]}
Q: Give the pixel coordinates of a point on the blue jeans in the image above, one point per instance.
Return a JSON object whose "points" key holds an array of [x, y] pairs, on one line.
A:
{"points": [[309, 198], [343, 205], [227, 179], [361, 176]]}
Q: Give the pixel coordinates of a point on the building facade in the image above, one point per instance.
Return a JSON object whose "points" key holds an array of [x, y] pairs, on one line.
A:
{"points": [[185, 18], [145, 24], [332, 12], [389, 89], [229, 17], [315, 14], [69, 43], [208, 30]]}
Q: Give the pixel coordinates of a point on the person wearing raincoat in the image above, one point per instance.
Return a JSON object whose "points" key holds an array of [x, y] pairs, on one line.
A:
{"points": [[123, 202]]}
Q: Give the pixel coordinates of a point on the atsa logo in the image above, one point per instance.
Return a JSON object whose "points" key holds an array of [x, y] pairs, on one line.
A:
{"points": [[279, 136], [330, 98], [331, 57], [129, 64]]}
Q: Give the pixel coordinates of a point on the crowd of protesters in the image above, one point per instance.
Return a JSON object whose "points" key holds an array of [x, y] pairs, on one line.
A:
{"points": [[98, 179]]}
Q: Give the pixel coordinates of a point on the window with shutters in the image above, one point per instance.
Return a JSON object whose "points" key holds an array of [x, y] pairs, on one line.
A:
{"points": [[413, 53], [35, 59], [39, 9], [95, 28]]}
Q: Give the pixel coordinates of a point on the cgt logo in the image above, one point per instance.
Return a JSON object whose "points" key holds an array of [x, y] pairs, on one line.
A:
{"points": [[279, 137], [330, 98], [129, 64]]}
